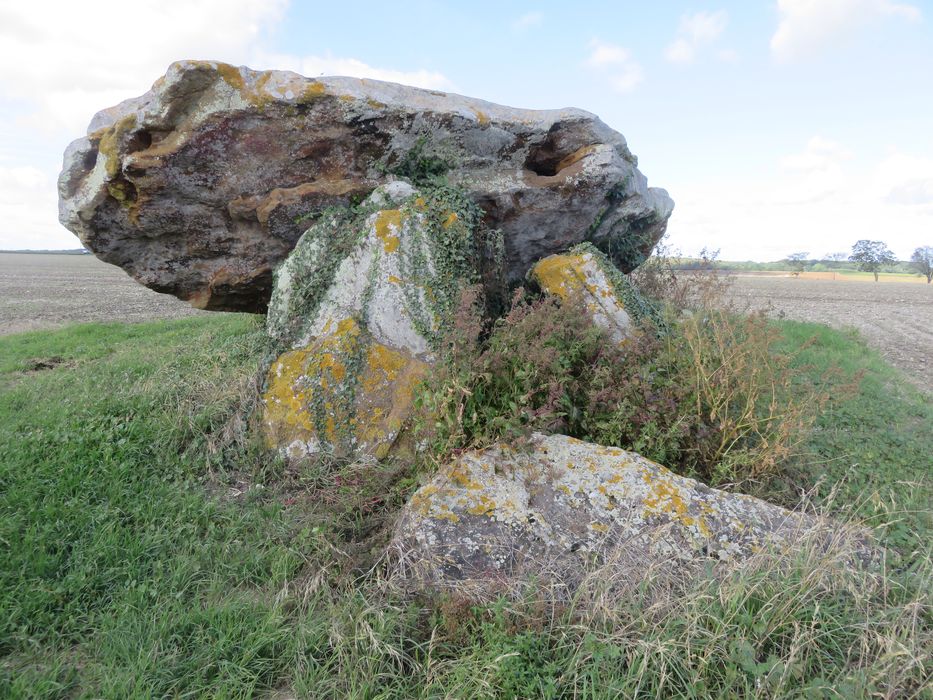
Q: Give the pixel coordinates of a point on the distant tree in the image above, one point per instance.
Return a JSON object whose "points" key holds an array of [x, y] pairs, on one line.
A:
{"points": [[836, 257], [796, 262], [922, 261], [871, 256]]}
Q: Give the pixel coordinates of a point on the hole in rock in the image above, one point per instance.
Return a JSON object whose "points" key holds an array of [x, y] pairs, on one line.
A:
{"points": [[90, 159], [554, 153], [139, 141]]}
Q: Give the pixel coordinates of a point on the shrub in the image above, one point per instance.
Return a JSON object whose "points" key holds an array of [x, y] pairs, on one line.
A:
{"points": [[709, 398]]}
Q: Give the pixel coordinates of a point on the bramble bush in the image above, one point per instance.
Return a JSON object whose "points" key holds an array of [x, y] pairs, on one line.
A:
{"points": [[709, 397]]}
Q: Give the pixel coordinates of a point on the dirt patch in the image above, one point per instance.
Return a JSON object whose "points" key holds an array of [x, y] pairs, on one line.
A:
{"points": [[894, 317], [39, 291], [38, 364]]}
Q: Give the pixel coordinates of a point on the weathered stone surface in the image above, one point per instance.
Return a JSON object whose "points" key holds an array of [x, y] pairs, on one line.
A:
{"points": [[496, 517], [580, 272], [358, 306], [195, 187]]}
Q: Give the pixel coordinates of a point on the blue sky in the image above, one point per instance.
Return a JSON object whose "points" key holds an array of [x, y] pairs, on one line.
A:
{"points": [[794, 125]]}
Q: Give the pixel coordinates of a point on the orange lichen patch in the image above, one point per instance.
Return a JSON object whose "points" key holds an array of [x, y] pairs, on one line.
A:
{"points": [[450, 220], [285, 403], [665, 498], [344, 390], [424, 503], [300, 377], [577, 155], [483, 505], [314, 90], [228, 73], [463, 477], [110, 139], [481, 117], [387, 386], [386, 221], [560, 275], [375, 104], [393, 279], [599, 527], [420, 203]]}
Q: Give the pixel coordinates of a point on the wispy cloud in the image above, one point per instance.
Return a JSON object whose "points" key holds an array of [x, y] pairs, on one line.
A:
{"points": [[822, 195], [807, 26], [694, 32], [617, 65], [527, 20]]}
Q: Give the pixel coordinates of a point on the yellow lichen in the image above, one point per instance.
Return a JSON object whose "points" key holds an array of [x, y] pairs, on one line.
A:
{"points": [[313, 91], [110, 140], [386, 221], [483, 505], [560, 274]]}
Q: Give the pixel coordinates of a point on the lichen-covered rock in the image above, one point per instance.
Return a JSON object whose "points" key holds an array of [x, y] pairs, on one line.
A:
{"points": [[344, 393], [196, 187], [496, 517], [358, 308], [579, 273]]}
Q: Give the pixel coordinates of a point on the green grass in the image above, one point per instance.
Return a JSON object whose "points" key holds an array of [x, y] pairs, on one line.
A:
{"points": [[873, 449], [141, 557]]}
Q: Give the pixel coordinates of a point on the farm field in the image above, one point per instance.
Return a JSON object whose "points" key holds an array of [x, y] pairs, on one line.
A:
{"points": [[895, 317], [43, 291]]}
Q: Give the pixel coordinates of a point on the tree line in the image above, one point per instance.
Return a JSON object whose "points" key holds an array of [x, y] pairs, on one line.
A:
{"points": [[869, 256]]}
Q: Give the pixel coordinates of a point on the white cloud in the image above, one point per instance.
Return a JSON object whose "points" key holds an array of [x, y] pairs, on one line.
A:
{"points": [[615, 63], [69, 59], [351, 67], [817, 199], [528, 20], [29, 211], [695, 31], [806, 26], [906, 180]]}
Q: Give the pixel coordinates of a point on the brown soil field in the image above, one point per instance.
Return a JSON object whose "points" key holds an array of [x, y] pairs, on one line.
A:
{"points": [[894, 317], [39, 291]]}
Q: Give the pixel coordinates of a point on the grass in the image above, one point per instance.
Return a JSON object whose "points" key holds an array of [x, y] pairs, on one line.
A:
{"points": [[873, 449], [149, 549]]}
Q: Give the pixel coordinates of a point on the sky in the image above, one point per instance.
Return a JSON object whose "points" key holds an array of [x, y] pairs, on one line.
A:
{"points": [[777, 126]]}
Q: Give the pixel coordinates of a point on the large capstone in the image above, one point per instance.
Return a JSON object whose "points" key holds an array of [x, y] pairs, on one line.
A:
{"points": [[554, 511], [199, 187]]}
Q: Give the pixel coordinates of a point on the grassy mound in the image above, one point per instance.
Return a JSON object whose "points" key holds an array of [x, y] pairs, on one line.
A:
{"points": [[149, 549]]}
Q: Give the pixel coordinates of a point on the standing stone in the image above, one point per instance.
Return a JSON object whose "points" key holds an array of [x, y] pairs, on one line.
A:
{"points": [[359, 307]]}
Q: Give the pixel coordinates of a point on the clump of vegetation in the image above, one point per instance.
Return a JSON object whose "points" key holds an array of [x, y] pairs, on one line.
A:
{"points": [[709, 397]]}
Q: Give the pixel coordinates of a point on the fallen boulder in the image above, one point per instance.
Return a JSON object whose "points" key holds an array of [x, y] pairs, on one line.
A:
{"points": [[494, 520], [197, 188]]}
